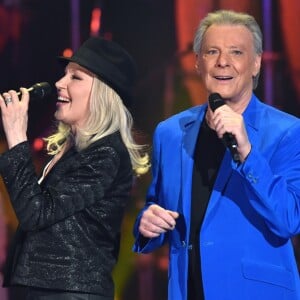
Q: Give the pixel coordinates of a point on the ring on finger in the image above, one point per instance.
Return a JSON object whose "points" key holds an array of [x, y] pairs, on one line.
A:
{"points": [[7, 100]]}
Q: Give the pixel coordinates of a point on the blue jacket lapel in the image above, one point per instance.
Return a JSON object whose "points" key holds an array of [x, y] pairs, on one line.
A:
{"points": [[190, 129], [251, 120]]}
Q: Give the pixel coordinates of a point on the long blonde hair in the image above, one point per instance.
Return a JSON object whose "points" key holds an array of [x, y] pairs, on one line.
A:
{"points": [[108, 114]]}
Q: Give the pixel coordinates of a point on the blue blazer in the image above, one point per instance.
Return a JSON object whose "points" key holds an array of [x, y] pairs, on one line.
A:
{"points": [[253, 211]]}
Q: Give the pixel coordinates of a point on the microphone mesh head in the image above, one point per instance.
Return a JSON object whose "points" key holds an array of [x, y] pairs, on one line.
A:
{"points": [[41, 89], [215, 100]]}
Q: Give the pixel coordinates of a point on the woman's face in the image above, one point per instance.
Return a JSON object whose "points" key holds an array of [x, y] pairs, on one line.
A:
{"points": [[74, 90]]}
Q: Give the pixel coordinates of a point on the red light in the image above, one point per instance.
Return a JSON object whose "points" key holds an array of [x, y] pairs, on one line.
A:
{"points": [[67, 52], [95, 21], [38, 144]]}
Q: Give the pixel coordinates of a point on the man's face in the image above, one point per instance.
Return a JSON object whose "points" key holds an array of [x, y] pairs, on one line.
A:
{"points": [[227, 62]]}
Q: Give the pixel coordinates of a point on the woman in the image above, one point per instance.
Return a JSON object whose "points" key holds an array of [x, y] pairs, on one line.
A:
{"points": [[68, 239]]}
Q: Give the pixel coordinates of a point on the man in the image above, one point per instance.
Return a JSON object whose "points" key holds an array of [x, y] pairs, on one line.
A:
{"points": [[228, 219]]}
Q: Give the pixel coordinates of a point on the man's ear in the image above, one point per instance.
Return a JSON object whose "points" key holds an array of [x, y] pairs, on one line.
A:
{"points": [[197, 65], [257, 65]]}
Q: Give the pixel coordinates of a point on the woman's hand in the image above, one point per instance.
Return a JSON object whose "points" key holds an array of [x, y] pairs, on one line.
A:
{"points": [[14, 114]]}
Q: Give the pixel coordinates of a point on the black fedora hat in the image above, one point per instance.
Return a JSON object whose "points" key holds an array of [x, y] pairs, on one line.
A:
{"points": [[109, 62]]}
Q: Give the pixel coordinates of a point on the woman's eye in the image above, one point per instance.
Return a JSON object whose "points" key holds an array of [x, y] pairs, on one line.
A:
{"points": [[75, 77]]}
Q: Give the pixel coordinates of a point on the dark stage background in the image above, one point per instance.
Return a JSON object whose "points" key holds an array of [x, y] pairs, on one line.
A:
{"points": [[34, 32]]}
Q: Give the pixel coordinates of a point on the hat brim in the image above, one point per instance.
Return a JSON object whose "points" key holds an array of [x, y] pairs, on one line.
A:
{"points": [[108, 72]]}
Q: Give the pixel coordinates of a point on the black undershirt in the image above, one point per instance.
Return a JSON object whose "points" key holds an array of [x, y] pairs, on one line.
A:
{"points": [[209, 152]]}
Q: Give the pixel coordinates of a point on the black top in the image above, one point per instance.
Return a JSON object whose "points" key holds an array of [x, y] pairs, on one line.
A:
{"points": [[209, 152], [69, 232]]}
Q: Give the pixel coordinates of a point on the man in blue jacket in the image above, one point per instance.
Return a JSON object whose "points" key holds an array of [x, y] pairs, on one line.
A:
{"points": [[225, 192]]}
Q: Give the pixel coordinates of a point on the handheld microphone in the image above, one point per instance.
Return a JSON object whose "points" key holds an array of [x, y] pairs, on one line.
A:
{"points": [[215, 101], [39, 90]]}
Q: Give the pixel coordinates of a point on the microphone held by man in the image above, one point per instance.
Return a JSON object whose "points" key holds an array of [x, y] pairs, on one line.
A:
{"points": [[215, 101]]}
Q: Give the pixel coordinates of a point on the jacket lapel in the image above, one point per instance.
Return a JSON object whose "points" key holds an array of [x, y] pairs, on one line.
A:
{"points": [[251, 121], [190, 129]]}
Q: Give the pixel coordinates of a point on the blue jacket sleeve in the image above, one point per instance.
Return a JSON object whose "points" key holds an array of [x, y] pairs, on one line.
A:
{"points": [[142, 244], [274, 185]]}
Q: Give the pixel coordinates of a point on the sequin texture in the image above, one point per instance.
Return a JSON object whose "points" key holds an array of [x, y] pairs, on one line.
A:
{"points": [[69, 225]]}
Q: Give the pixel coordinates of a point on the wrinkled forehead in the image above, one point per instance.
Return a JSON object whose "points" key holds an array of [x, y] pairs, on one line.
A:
{"points": [[228, 34]]}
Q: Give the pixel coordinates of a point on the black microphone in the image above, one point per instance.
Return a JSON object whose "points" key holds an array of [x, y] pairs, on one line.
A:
{"points": [[215, 100], [39, 90]]}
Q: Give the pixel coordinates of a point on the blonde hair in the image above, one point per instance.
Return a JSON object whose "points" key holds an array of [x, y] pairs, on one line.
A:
{"points": [[108, 114]]}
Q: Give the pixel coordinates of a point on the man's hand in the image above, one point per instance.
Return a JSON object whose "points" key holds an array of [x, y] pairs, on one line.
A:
{"points": [[156, 220]]}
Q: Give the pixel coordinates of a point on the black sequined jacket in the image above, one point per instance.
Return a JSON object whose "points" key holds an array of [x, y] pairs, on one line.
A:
{"points": [[69, 225]]}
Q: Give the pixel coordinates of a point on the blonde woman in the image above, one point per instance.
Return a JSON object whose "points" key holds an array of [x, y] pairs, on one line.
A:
{"points": [[68, 239]]}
